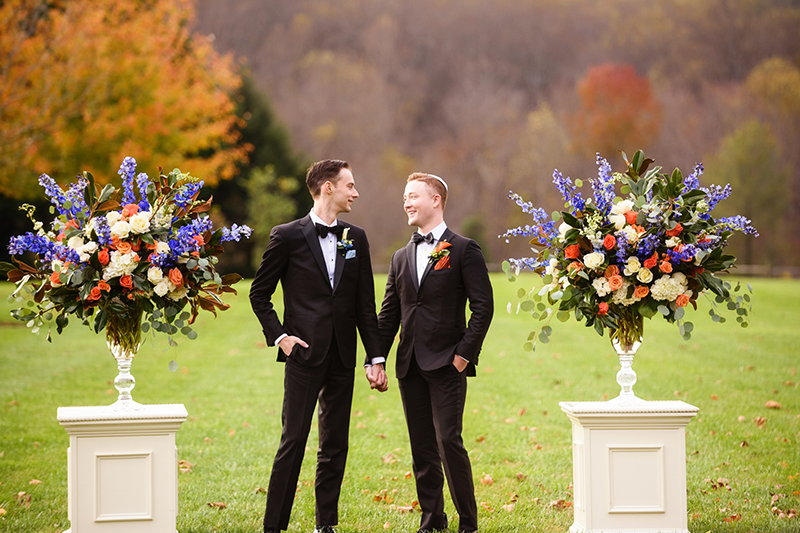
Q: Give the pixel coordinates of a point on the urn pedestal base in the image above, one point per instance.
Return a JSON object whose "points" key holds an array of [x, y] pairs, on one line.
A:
{"points": [[122, 468], [629, 466]]}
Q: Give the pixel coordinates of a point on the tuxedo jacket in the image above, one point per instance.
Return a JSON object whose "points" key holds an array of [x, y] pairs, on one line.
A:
{"points": [[431, 314], [313, 310]]}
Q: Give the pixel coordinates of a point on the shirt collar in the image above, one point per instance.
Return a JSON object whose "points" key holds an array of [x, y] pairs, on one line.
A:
{"points": [[316, 220], [437, 232]]}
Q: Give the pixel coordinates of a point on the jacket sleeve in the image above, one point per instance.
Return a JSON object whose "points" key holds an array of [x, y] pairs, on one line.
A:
{"points": [[389, 317], [481, 302], [273, 266], [366, 318]]}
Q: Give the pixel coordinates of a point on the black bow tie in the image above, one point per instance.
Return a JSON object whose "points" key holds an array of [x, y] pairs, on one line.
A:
{"points": [[323, 230], [419, 237]]}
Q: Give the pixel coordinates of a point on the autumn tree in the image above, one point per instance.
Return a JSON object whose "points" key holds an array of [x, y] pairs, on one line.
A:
{"points": [[617, 111], [85, 83]]}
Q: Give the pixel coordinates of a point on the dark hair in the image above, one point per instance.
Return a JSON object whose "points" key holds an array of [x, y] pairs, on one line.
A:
{"points": [[322, 171], [437, 186]]}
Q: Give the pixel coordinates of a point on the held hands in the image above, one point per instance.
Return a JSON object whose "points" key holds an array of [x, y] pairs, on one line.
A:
{"points": [[377, 377], [288, 342], [460, 363]]}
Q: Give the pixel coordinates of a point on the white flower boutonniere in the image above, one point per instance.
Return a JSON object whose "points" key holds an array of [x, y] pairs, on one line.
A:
{"points": [[346, 245]]}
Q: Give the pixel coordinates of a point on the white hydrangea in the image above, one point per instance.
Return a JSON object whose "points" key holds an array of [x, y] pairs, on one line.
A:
{"points": [[620, 296], [178, 294], [119, 265], [669, 287], [601, 286], [631, 235]]}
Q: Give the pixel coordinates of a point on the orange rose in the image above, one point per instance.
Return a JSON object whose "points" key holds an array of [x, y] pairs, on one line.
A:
{"points": [[137, 245], [175, 277], [126, 281], [103, 256], [94, 294], [651, 261], [199, 240], [630, 217], [572, 251], [103, 285], [609, 242], [641, 291], [124, 247], [575, 265], [611, 270], [615, 282], [675, 232], [130, 210], [603, 308], [682, 300], [639, 229], [665, 267], [54, 281]]}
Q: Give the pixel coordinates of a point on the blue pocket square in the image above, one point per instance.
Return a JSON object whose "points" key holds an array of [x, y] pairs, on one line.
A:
{"points": [[350, 254]]}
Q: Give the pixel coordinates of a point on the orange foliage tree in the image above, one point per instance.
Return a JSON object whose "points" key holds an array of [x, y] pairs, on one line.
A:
{"points": [[618, 110], [84, 83]]}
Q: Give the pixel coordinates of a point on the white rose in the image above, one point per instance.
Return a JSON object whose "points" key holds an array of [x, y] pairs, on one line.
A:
{"points": [[90, 247], [112, 218], [140, 222], [162, 247], [88, 228], [618, 221], [645, 275], [594, 260], [563, 229], [76, 243], [601, 286], [552, 267], [622, 207], [121, 229], [163, 287], [632, 265], [155, 275], [672, 242], [631, 234]]}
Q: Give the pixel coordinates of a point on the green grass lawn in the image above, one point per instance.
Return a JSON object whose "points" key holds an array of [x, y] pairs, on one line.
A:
{"points": [[516, 434]]}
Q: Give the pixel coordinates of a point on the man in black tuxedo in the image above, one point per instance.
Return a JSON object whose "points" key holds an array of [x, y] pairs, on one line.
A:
{"points": [[429, 283], [328, 291]]}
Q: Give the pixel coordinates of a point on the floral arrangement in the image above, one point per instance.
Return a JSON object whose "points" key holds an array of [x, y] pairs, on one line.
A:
{"points": [[113, 256], [614, 261]]}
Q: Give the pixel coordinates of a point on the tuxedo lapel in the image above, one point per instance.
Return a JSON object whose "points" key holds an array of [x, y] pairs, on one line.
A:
{"points": [[310, 234], [339, 267], [411, 257]]}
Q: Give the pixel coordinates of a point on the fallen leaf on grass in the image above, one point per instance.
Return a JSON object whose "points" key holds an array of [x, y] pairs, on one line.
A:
{"points": [[522, 412], [772, 404], [760, 421], [34, 482], [487, 507], [12, 403], [744, 444], [217, 505], [521, 476], [387, 525], [480, 439], [733, 518], [184, 466], [263, 490], [23, 499], [559, 504], [389, 459], [509, 508], [407, 475], [380, 435], [487, 480], [2, 511]]}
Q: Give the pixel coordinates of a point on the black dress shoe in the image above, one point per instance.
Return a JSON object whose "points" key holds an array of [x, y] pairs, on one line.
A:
{"points": [[324, 529]]}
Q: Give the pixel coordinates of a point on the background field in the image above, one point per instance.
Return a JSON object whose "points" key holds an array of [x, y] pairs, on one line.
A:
{"points": [[738, 466]]}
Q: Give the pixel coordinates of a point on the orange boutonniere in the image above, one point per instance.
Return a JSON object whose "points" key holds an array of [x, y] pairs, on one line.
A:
{"points": [[441, 255]]}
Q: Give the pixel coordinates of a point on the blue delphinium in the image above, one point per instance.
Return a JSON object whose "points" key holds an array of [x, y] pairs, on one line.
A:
{"points": [[141, 183], [42, 246], [737, 223], [603, 186], [54, 192], [235, 233], [567, 190], [714, 195], [128, 170], [187, 192], [692, 181]]}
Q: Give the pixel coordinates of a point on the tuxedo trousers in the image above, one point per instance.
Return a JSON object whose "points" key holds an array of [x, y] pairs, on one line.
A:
{"points": [[433, 402], [331, 385]]}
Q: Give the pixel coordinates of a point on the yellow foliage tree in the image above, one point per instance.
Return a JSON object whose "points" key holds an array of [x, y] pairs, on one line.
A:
{"points": [[84, 83]]}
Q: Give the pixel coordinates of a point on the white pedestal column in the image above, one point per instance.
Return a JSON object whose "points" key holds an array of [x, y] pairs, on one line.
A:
{"points": [[122, 468], [629, 466]]}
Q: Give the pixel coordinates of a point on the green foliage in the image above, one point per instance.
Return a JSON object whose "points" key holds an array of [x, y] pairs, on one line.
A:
{"points": [[270, 203]]}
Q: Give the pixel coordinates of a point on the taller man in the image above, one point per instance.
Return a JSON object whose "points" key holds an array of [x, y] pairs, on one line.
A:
{"points": [[325, 270], [430, 281]]}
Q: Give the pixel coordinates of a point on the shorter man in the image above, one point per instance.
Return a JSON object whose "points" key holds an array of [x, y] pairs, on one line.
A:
{"points": [[429, 283]]}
